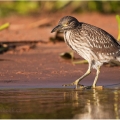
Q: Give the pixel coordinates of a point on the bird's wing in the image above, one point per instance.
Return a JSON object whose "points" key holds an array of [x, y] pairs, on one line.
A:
{"points": [[99, 39]]}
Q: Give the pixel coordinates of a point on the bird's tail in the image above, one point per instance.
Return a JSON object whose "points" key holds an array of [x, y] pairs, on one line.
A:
{"points": [[118, 58], [118, 55]]}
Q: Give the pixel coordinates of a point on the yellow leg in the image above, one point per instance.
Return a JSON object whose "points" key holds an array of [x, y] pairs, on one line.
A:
{"points": [[96, 77], [76, 82]]}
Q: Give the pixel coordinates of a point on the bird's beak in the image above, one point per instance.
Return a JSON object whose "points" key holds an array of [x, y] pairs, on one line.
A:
{"points": [[58, 27]]}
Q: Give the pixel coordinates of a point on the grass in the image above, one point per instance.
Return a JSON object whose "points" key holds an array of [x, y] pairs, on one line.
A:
{"points": [[118, 20]]}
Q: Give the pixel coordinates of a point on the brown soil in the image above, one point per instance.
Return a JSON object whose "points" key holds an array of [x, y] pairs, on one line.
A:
{"points": [[41, 65]]}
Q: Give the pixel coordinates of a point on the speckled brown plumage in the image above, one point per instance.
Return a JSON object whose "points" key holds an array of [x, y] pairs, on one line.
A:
{"points": [[90, 42]]}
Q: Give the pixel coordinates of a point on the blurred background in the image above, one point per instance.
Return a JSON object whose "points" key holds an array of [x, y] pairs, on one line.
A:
{"points": [[32, 59], [38, 7]]}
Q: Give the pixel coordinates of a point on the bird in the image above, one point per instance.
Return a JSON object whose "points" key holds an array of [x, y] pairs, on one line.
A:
{"points": [[92, 43]]}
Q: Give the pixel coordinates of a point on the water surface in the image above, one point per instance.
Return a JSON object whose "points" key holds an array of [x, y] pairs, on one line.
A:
{"points": [[44, 103]]}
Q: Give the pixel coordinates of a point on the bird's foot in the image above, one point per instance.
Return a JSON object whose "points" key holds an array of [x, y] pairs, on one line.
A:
{"points": [[78, 86], [93, 87], [76, 83], [81, 87], [70, 84]]}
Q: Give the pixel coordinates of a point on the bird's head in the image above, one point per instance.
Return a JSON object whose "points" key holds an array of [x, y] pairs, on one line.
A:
{"points": [[66, 23]]}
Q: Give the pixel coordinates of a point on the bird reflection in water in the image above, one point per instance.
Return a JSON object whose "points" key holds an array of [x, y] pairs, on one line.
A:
{"points": [[116, 101], [95, 104]]}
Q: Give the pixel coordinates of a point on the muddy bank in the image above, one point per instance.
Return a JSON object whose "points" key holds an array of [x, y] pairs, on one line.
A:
{"points": [[43, 67]]}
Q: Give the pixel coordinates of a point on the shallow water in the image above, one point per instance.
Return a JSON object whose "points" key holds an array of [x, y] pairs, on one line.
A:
{"points": [[60, 103]]}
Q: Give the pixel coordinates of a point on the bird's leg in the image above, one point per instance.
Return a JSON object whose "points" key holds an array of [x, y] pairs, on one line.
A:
{"points": [[76, 82], [96, 77]]}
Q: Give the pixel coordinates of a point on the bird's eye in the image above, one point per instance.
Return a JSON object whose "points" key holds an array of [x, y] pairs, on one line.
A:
{"points": [[65, 24]]}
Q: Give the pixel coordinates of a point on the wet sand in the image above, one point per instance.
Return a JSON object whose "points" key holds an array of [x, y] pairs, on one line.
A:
{"points": [[43, 68]]}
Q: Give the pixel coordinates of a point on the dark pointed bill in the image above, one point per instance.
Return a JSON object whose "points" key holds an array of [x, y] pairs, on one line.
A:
{"points": [[58, 27]]}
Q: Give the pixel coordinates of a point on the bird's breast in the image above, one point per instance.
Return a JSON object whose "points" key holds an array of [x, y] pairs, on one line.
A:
{"points": [[77, 43], [68, 40]]}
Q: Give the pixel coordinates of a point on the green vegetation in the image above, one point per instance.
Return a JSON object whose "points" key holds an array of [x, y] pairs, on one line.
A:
{"points": [[18, 7], [23, 7], [118, 20], [4, 26]]}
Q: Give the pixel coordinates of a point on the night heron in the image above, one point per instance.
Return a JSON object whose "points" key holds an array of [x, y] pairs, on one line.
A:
{"points": [[92, 43]]}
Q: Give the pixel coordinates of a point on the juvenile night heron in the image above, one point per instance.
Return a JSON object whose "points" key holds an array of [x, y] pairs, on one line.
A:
{"points": [[92, 43]]}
